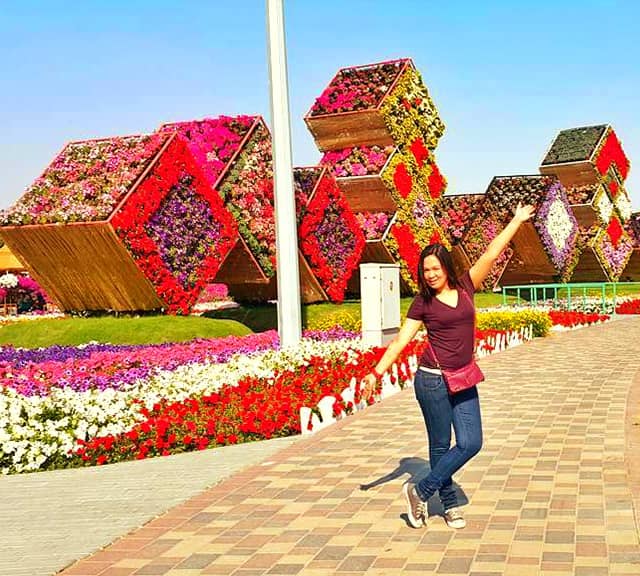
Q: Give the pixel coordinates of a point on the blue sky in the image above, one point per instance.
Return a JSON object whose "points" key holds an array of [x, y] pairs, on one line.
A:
{"points": [[506, 76]]}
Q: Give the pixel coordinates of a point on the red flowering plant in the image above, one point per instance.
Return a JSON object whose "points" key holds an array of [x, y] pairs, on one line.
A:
{"points": [[613, 248], [569, 319], [629, 307], [176, 227], [86, 181], [254, 409], [610, 154], [412, 170], [330, 237], [455, 214], [357, 88], [554, 220]]}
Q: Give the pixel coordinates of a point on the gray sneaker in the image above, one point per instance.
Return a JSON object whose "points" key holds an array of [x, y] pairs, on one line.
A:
{"points": [[454, 518], [416, 509]]}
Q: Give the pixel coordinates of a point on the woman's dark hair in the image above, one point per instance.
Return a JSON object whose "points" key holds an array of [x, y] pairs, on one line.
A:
{"points": [[444, 256]]}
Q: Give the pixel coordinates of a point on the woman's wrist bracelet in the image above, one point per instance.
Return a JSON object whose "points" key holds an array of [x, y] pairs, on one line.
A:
{"points": [[376, 374]]}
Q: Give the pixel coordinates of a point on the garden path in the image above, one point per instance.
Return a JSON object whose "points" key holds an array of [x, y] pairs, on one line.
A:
{"points": [[555, 490]]}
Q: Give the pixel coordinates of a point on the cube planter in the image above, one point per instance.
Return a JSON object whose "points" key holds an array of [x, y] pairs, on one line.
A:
{"points": [[376, 104], [581, 156]]}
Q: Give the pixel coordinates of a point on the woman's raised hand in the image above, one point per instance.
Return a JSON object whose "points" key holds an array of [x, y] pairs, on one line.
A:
{"points": [[523, 213]]}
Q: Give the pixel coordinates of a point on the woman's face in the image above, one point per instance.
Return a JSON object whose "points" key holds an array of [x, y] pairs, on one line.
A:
{"points": [[434, 274]]}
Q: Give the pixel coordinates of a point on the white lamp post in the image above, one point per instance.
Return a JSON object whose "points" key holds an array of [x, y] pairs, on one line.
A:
{"points": [[289, 313]]}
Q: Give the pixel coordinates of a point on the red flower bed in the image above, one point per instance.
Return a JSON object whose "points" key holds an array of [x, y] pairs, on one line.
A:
{"points": [[569, 319], [254, 409], [629, 307]]}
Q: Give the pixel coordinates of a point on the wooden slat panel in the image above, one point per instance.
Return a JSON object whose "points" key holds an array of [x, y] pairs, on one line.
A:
{"points": [[82, 266], [632, 272], [528, 246], [575, 174], [249, 291], [588, 268], [367, 194], [240, 266], [585, 214], [359, 128]]}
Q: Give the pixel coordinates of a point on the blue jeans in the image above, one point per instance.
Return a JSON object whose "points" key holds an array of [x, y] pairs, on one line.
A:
{"points": [[442, 411]]}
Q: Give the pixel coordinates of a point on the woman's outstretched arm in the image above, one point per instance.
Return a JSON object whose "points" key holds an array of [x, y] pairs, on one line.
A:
{"points": [[481, 268], [408, 330]]}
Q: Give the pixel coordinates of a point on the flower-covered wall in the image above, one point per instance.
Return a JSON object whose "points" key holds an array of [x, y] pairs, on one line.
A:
{"points": [[126, 223], [378, 127], [546, 247], [235, 156], [593, 167]]}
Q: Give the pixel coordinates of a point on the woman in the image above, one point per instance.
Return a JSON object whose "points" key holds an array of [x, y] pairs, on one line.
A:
{"points": [[445, 308]]}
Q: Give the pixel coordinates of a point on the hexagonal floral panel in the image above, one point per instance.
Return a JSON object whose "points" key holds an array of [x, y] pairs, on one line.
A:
{"points": [[330, 236], [176, 227], [613, 248], [554, 220], [235, 156]]}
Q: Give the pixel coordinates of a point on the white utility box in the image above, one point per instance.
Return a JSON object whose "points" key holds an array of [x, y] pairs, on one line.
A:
{"points": [[380, 302]]}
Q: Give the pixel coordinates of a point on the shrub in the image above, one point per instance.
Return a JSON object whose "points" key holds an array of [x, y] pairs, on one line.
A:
{"points": [[514, 320], [343, 318]]}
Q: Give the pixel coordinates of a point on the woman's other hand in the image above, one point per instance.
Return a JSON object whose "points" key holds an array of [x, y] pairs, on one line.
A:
{"points": [[370, 382], [523, 213]]}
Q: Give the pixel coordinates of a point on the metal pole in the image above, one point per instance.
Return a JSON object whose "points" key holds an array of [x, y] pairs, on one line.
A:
{"points": [[289, 312]]}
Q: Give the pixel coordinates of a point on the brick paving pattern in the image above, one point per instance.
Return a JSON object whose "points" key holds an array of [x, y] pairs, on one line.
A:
{"points": [[551, 493]]}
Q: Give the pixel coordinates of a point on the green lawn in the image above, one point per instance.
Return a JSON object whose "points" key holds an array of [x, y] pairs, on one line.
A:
{"points": [[108, 329], [157, 329]]}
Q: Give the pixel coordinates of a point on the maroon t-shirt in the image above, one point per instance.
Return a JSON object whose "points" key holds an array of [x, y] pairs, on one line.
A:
{"points": [[450, 330]]}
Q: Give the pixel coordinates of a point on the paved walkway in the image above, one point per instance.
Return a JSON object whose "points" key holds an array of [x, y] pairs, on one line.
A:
{"points": [[551, 492]]}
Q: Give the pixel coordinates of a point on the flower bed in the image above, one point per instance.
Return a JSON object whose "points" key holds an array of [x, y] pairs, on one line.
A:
{"points": [[375, 104], [235, 156], [410, 113], [164, 231], [176, 228], [85, 181], [613, 248], [547, 246], [456, 213], [72, 406], [413, 173], [213, 142], [629, 307]]}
